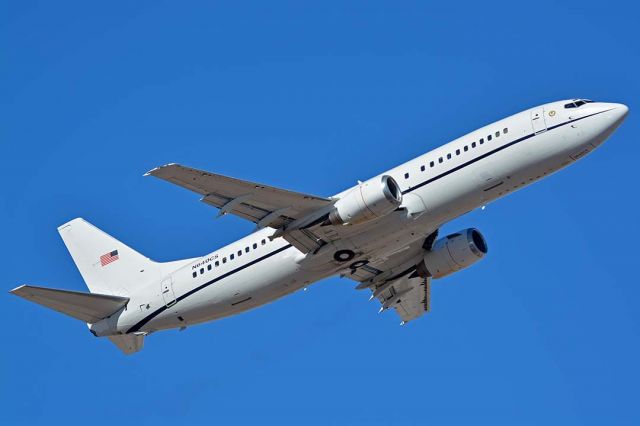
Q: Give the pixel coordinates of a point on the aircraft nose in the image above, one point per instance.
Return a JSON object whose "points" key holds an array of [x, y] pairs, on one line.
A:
{"points": [[621, 110], [614, 114]]}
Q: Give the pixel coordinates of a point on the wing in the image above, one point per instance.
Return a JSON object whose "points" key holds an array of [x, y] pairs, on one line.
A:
{"points": [[262, 204], [397, 282], [407, 292], [410, 297]]}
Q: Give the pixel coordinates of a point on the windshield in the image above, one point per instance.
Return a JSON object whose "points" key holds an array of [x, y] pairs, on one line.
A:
{"points": [[577, 103]]}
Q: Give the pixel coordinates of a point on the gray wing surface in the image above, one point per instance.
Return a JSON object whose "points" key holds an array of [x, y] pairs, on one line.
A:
{"points": [[262, 204], [395, 282], [265, 205]]}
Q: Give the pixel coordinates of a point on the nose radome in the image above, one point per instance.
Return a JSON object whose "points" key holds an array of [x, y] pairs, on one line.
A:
{"points": [[618, 113], [613, 115], [622, 110]]}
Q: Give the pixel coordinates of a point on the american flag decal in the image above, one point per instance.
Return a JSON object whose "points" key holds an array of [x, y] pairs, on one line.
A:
{"points": [[107, 258]]}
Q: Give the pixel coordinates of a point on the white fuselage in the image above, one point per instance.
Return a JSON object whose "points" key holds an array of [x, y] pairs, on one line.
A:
{"points": [[437, 187]]}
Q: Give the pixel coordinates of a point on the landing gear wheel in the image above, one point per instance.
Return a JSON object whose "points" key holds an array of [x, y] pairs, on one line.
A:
{"points": [[344, 255], [358, 264]]}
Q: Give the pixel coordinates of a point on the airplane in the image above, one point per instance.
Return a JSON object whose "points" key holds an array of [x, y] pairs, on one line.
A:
{"points": [[382, 233]]}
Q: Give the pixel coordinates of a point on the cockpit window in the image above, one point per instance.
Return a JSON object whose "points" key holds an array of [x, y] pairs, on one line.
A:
{"points": [[578, 103]]}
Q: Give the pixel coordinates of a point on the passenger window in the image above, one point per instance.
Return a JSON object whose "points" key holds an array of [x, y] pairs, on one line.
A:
{"points": [[505, 130], [201, 271], [457, 152], [264, 242], [473, 145], [217, 263], [448, 156], [231, 256], [246, 249], [224, 260], [481, 141], [431, 164], [195, 274], [239, 253], [488, 138], [406, 175], [255, 246], [440, 160], [208, 267], [422, 168], [466, 148], [498, 134]]}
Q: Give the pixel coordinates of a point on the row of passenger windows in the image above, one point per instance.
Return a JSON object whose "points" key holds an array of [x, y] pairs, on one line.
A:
{"points": [[459, 151], [231, 257]]}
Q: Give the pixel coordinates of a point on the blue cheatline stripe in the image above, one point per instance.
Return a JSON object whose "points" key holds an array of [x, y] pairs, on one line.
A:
{"points": [[158, 311], [487, 154]]}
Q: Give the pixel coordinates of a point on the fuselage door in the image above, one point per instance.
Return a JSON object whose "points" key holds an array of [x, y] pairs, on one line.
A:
{"points": [[537, 120], [167, 291]]}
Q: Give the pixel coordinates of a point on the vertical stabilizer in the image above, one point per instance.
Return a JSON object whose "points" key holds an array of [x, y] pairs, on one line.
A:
{"points": [[106, 265]]}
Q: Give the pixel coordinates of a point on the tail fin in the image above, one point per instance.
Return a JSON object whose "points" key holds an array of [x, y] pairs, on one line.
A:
{"points": [[87, 307], [106, 265]]}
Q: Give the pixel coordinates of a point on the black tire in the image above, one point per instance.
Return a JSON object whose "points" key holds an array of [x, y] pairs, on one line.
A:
{"points": [[344, 255], [358, 264]]}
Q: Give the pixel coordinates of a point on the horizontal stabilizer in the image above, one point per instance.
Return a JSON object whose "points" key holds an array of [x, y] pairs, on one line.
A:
{"points": [[87, 307], [128, 343]]}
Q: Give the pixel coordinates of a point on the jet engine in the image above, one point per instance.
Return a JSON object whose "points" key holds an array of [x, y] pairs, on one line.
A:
{"points": [[374, 198], [453, 253]]}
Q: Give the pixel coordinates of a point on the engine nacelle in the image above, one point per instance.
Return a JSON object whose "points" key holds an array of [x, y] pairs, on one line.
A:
{"points": [[374, 198], [453, 253]]}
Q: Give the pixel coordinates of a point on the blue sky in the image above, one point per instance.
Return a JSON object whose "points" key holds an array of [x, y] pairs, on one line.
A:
{"points": [[312, 97]]}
